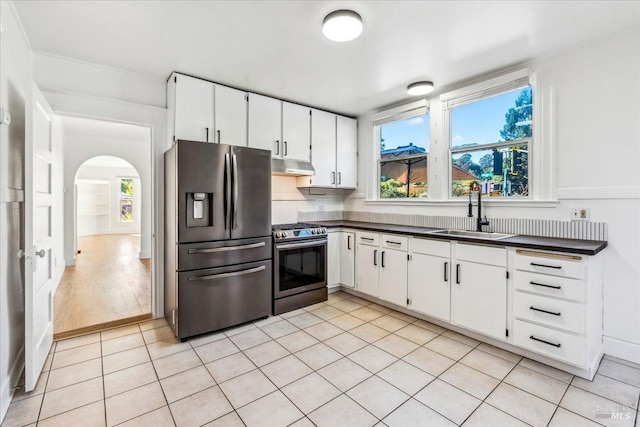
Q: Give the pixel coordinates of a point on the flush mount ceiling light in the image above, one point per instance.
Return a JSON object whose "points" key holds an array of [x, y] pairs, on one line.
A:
{"points": [[420, 88], [342, 25]]}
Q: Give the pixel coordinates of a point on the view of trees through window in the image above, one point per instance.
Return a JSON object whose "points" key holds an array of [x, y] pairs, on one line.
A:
{"points": [[404, 147], [490, 144], [126, 199]]}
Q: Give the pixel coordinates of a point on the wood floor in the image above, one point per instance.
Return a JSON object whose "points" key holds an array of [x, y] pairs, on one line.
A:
{"points": [[108, 286]]}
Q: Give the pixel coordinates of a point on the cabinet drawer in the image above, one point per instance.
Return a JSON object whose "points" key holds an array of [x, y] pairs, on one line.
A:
{"points": [[556, 286], [553, 265], [490, 255], [192, 256], [393, 241], [549, 311], [431, 247], [371, 239], [558, 345]]}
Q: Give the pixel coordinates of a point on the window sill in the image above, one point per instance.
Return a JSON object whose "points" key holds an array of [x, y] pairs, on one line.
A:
{"points": [[465, 202]]}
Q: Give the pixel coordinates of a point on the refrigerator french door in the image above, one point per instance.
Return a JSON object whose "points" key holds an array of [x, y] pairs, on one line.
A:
{"points": [[218, 242]]}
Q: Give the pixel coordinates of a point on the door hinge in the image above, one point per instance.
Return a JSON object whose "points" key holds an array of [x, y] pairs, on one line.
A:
{"points": [[507, 332], [507, 274]]}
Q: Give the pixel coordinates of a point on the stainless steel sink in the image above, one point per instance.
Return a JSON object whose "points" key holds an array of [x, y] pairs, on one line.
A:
{"points": [[473, 234]]}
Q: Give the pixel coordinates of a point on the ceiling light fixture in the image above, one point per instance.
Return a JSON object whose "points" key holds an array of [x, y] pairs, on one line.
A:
{"points": [[342, 25], [420, 88]]}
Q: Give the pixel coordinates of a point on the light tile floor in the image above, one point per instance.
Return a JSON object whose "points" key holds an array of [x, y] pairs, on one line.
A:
{"points": [[343, 362]]}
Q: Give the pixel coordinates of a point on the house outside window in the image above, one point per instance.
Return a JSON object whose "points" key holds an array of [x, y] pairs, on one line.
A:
{"points": [[403, 157], [126, 200], [490, 140]]}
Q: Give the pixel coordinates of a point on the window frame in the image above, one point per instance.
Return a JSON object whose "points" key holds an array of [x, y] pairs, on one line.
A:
{"points": [[481, 91], [397, 114], [121, 198]]}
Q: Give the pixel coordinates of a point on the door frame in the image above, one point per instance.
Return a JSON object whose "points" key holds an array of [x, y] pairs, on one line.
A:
{"points": [[155, 118]]}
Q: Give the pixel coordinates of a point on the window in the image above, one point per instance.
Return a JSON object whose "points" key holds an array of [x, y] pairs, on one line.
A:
{"points": [[403, 155], [490, 140], [126, 200]]}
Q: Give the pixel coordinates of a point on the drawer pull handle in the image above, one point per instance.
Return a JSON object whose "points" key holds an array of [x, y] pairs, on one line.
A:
{"points": [[367, 238], [391, 242], [546, 286], [225, 248], [457, 274], [446, 268], [545, 342], [557, 267], [375, 257], [226, 275], [545, 311]]}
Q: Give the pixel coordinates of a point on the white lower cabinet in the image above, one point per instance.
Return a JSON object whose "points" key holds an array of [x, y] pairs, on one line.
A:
{"points": [[429, 279], [347, 258], [393, 276], [367, 269], [334, 241]]}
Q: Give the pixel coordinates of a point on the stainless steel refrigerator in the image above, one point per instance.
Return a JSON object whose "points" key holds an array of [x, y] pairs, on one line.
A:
{"points": [[217, 236]]}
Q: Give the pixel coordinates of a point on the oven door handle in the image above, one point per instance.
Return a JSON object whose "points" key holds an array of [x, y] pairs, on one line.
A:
{"points": [[225, 275], [225, 248], [301, 245]]}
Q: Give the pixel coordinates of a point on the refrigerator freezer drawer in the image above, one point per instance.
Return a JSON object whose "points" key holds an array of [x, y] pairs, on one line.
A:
{"points": [[218, 298], [194, 256]]}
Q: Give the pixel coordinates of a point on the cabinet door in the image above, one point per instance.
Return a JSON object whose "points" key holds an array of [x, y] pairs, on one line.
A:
{"points": [[265, 124], [348, 259], [323, 148], [429, 278], [231, 116], [296, 132], [194, 109], [333, 259], [367, 268], [347, 152], [480, 298], [393, 277]]}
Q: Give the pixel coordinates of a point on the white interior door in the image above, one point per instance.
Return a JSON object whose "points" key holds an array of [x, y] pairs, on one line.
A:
{"points": [[38, 262]]}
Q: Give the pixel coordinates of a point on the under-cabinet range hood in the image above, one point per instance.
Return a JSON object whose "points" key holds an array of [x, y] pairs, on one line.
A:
{"points": [[291, 167]]}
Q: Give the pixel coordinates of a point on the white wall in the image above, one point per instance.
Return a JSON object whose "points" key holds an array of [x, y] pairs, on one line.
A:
{"points": [[80, 148], [15, 86], [91, 205], [288, 200], [591, 102]]}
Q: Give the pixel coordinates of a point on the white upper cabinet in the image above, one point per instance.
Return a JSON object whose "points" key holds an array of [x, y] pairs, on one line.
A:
{"points": [[346, 152], [296, 132], [265, 123], [323, 148], [230, 116], [334, 148], [204, 111], [193, 108]]}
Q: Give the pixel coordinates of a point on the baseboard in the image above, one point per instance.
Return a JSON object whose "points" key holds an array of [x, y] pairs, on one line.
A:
{"points": [[144, 254], [622, 349], [6, 388]]}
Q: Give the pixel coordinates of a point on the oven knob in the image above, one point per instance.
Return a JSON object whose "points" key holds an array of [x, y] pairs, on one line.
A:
{"points": [[314, 231], [277, 234], [323, 230], [284, 234]]}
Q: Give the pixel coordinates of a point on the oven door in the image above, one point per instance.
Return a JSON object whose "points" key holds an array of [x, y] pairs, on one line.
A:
{"points": [[299, 267]]}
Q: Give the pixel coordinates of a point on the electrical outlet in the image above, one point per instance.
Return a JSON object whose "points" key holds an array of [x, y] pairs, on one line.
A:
{"points": [[574, 214], [321, 208], [583, 214]]}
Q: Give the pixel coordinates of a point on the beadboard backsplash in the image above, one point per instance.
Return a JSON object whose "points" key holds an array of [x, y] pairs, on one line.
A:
{"points": [[582, 230]]}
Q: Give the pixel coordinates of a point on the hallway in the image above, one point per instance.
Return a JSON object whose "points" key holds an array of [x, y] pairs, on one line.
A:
{"points": [[108, 286]]}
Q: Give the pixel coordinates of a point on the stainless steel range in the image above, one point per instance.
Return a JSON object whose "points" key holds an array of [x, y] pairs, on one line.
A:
{"points": [[299, 266]]}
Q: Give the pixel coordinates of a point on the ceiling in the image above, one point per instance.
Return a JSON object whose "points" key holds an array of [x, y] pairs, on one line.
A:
{"points": [[104, 129], [277, 47]]}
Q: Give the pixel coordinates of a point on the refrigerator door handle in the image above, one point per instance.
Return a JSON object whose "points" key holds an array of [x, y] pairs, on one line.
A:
{"points": [[227, 191], [225, 275], [234, 220]]}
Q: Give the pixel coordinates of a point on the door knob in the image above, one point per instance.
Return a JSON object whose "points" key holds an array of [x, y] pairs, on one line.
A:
{"points": [[41, 253], [21, 253]]}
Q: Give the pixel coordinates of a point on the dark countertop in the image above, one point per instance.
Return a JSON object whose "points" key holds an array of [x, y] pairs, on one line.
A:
{"points": [[584, 247]]}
